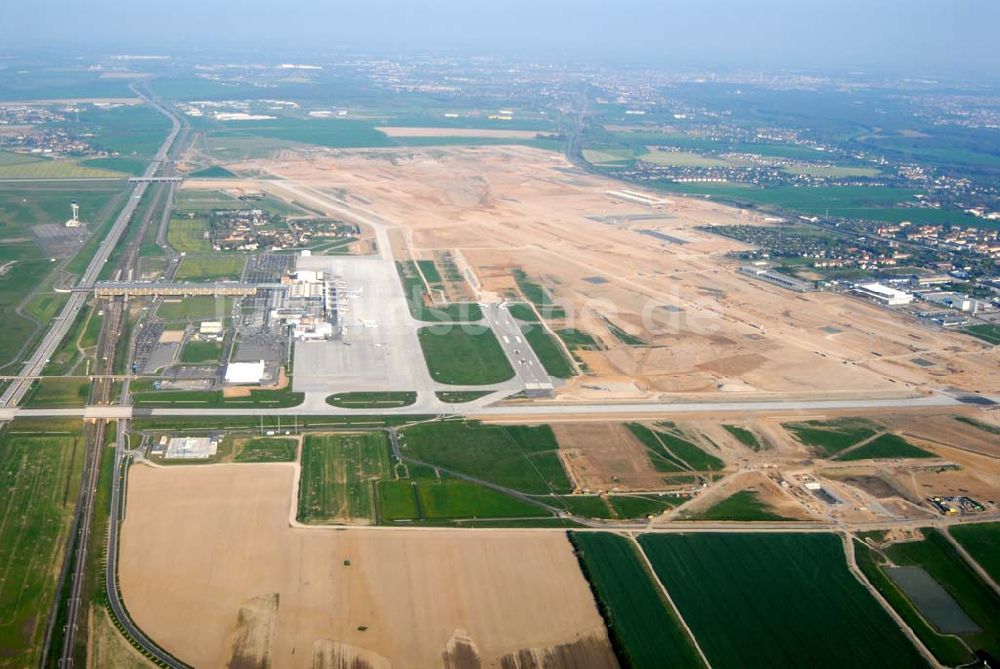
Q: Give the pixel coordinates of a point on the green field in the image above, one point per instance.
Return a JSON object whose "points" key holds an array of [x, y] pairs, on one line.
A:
{"points": [[988, 332], [549, 351], [982, 541], [460, 396], [577, 340], [828, 438], [978, 424], [519, 457], [643, 629], [39, 475], [536, 294], [625, 337], [420, 307], [947, 567], [430, 271], [467, 355], [195, 352], [57, 169], [428, 499], [213, 399], [668, 451], [189, 235], [743, 506], [126, 166], [56, 392], [886, 446], [776, 600], [266, 449], [372, 400], [948, 649], [659, 456], [213, 172], [745, 436], [339, 476], [523, 312], [211, 268], [196, 308]]}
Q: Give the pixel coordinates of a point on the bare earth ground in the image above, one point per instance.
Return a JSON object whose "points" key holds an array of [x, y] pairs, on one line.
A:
{"points": [[211, 569], [393, 131], [713, 331]]}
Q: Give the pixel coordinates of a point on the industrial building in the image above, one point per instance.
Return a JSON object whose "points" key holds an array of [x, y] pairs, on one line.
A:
{"points": [[777, 278], [884, 295]]}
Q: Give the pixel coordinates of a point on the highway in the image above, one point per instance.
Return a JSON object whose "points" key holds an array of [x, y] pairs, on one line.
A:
{"points": [[16, 391]]}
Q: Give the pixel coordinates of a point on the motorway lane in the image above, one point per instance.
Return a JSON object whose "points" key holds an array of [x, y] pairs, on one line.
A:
{"points": [[16, 391]]}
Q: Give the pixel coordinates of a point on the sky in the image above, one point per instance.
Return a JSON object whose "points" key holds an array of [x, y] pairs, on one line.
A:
{"points": [[893, 36]]}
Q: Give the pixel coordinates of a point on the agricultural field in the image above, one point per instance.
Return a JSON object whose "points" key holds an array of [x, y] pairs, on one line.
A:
{"points": [[265, 449], [982, 541], [211, 268], [372, 400], [464, 355], [947, 648], [644, 631], [39, 474], [974, 597], [57, 169], [768, 584], [520, 457], [339, 476]]}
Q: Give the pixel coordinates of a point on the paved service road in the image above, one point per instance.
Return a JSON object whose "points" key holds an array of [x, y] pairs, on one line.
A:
{"points": [[522, 357]]}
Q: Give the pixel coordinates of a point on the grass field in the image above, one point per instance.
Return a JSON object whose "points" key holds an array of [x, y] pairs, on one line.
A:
{"points": [[189, 235], [523, 312], [39, 475], [55, 392], [828, 438], [416, 296], [886, 446], [686, 452], [266, 449], [58, 169], [788, 600], [577, 340], [743, 506], [428, 499], [988, 332], [519, 457], [211, 268], [196, 308], [460, 396], [644, 631], [469, 355], [339, 475], [538, 296], [947, 567], [659, 457], [213, 399], [549, 351], [978, 424], [745, 436], [982, 541], [946, 648], [372, 400], [213, 172], [195, 352]]}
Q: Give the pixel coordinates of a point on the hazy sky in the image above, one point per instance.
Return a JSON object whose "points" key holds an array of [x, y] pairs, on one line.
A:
{"points": [[909, 36]]}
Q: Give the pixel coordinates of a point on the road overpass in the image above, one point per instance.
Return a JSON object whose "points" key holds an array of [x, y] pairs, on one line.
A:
{"points": [[155, 180]]}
